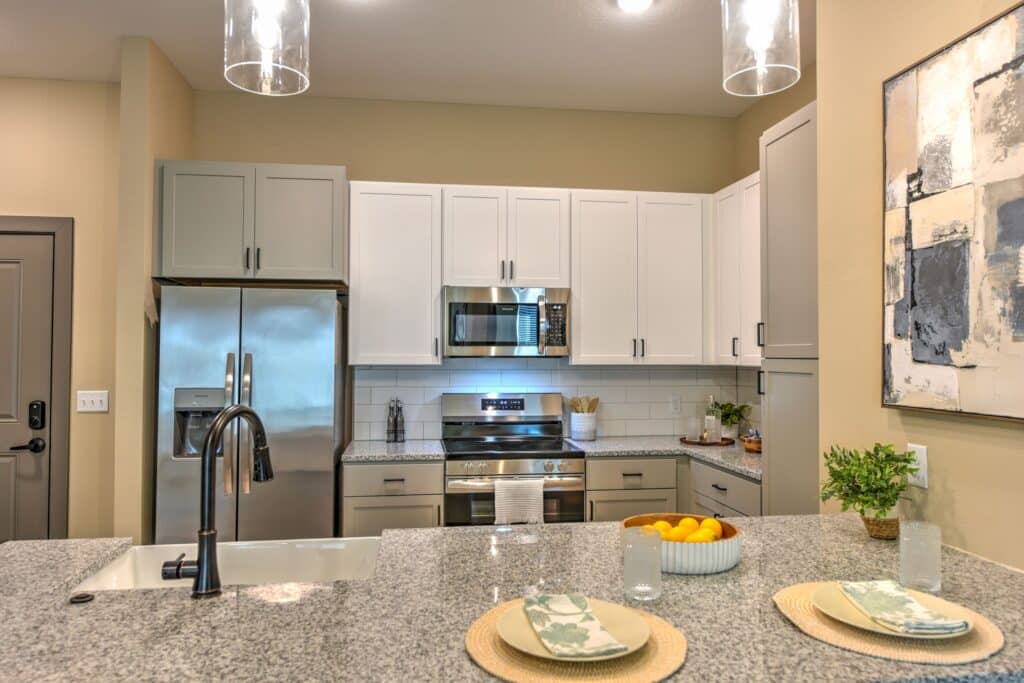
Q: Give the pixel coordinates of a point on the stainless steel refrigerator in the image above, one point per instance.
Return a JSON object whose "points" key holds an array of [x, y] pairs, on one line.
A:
{"points": [[278, 351]]}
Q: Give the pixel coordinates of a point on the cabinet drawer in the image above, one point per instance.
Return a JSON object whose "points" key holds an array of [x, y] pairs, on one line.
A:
{"points": [[641, 473], [728, 489], [393, 480], [370, 515], [615, 506], [709, 508]]}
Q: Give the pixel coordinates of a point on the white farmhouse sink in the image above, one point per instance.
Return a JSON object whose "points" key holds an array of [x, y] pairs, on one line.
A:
{"points": [[245, 563]]}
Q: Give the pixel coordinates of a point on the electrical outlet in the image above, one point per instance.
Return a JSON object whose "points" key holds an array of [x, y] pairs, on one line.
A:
{"points": [[920, 478], [93, 401], [677, 404]]}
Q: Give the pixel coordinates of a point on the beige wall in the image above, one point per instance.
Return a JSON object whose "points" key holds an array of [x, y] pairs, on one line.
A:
{"points": [[451, 143], [156, 114], [766, 113], [59, 142], [975, 466]]}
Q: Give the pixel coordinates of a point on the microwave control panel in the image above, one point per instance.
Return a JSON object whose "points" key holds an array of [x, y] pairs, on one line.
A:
{"points": [[556, 335]]}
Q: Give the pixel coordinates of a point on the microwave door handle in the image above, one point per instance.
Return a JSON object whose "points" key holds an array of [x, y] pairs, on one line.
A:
{"points": [[228, 441], [542, 324]]}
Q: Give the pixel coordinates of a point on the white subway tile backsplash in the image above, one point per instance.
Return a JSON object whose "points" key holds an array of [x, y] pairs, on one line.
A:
{"points": [[634, 400]]}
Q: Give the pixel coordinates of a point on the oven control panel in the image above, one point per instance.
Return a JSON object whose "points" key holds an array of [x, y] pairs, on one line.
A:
{"points": [[503, 404]]}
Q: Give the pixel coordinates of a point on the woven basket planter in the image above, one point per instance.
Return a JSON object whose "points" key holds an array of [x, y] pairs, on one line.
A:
{"points": [[885, 529]]}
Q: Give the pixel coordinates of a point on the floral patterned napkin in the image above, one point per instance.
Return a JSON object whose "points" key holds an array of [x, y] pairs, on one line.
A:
{"points": [[887, 604], [567, 627]]}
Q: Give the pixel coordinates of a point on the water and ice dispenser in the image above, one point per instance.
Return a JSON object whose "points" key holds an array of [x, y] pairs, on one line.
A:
{"points": [[194, 411]]}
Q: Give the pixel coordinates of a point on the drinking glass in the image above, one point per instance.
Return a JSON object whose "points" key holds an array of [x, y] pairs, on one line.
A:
{"points": [[641, 559], [921, 556]]}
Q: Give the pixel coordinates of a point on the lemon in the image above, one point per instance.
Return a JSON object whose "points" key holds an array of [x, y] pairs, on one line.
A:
{"points": [[701, 536], [688, 523], [712, 525], [662, 526], [677, 534]]}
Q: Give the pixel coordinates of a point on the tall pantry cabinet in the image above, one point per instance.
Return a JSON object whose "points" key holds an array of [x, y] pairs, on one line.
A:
{"points": [[789, 286]]}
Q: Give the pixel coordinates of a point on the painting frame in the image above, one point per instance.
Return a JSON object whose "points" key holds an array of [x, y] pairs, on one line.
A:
{"points": [[887, 371]]}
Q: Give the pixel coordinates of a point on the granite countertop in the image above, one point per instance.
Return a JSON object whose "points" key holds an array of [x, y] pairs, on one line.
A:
{"points": [[410, 620], [732, 458], [418, 450]]}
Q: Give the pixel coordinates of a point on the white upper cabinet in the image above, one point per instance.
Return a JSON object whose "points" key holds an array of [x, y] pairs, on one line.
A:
{"points": [[538, 237], [750, 270], [206, 220], [395, 285], [726, 269], [670, 292], [475, 236], [266, 221], [604, 278], [736, 272], [300, 222]]}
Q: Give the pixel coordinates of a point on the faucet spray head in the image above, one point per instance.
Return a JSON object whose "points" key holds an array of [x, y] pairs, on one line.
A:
{"points": [[261, 468]]}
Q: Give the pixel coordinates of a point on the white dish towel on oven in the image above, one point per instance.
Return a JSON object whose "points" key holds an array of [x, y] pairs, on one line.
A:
{"points": [[519, 500]]}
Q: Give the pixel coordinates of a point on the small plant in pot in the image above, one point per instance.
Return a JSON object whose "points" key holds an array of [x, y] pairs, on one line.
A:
{"points": [[730, 415], [871, 483]]}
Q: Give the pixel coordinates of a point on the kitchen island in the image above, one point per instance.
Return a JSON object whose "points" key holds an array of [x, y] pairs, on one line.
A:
{"points": [[409, 621]]}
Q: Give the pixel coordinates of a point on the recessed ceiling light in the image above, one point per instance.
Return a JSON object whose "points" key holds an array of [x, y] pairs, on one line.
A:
{"points": [[634, 6]]}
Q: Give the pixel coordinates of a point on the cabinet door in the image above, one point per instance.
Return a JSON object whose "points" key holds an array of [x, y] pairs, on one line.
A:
{"points": [[395, 279], [789, 419], [370, 515], [670, 285], [728, 290], [789, 237], [750, 269], [538, 238], [300, 222], [604, 279], [207, 219], [615, 506], [475, 221]]}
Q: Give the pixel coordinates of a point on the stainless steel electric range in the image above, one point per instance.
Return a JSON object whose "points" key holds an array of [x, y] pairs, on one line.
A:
{"points": [[489, 437]]}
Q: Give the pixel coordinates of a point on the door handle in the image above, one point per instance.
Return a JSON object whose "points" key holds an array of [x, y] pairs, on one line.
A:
{"points": [[228, 442], [247, 251], [36, 445], [258, 253], [511, 270], [643, 348], [716, 487], [437, 347], [542, 324], [634, 348], [760, 334], [735, 353], [591, 512], [502, 269], [245, 451], [760, 382]]}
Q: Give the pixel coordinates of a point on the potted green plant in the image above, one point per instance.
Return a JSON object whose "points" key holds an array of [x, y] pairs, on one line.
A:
{"points": [[730, 415], [871, 483]]}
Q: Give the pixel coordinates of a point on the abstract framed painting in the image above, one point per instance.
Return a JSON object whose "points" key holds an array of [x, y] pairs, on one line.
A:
{"points": [[953, 246]]}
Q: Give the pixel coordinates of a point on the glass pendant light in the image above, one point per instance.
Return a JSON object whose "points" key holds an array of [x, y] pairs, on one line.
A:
{"points": [[266, 45], [760, 46]]}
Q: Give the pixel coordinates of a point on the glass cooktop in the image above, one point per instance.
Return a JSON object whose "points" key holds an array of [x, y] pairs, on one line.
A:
{"points": [[456, 449]]}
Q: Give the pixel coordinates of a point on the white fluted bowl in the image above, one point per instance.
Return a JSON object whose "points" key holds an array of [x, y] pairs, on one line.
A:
{"points": [[694, 558]]}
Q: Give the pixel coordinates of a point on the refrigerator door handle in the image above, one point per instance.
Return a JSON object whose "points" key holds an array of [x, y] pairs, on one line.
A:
{"points": [[245, 451], [228, 442]]}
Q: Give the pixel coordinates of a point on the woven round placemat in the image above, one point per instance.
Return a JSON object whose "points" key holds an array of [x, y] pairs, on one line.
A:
{"points": [[663, 654], [981, 643]]}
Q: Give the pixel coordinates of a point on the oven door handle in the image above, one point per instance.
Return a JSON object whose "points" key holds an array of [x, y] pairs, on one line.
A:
{"points": [[486, 484]]}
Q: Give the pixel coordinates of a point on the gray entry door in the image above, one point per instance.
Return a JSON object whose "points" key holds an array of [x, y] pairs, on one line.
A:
{"points": [[26, 342]]}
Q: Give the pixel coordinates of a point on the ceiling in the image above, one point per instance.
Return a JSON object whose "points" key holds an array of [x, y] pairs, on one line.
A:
{"points": [[580, 54]]}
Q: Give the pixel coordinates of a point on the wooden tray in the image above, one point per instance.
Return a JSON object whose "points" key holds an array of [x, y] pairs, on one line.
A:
{"points": [[723, 442]]}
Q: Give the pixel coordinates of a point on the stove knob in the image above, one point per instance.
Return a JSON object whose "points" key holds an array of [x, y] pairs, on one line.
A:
{"points": [[561, 466], [549, 466]]}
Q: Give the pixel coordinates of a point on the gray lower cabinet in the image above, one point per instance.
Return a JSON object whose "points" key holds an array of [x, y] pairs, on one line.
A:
{"points": [[615, 506], [378, 496], [727, 489], [684, 485], [370, 515], [237, 220], [711, 508], [789, 419]]}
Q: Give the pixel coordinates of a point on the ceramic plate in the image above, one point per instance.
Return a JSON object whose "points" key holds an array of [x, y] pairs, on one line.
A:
{"points": [[831, 600], [625, 624]]}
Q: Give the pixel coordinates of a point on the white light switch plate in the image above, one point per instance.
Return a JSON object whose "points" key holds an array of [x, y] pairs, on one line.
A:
{"points": [[93, 401], [920, 478], [676, 404]]}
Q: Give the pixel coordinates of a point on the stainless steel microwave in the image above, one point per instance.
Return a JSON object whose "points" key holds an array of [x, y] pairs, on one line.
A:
{"points": [[506, 321]]}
